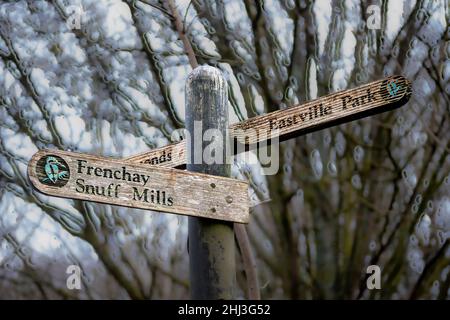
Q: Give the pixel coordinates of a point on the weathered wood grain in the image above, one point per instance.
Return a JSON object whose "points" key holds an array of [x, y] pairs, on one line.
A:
{"points": [[211, 243], [93, 178], [311, 116], [170, 156], [324, 112]]}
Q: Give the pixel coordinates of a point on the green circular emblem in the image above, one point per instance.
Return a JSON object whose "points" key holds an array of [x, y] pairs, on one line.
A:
{"points": [[52, 171], [390, 88]]}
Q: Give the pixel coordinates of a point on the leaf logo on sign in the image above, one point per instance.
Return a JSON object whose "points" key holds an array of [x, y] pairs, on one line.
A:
{"points": [[52, 171], [393, 88]]}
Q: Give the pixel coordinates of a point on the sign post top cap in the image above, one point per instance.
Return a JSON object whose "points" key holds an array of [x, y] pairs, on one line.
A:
{"points": [[206, 72]]}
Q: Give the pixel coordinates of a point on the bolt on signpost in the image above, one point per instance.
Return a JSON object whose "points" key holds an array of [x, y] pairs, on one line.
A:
{"points": [[211, 242]]}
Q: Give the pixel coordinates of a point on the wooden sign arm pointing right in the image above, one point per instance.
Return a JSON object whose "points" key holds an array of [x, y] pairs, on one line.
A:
{"points": [[333, 109]]}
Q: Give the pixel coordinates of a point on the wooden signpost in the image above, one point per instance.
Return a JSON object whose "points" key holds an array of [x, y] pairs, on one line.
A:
{"points": [[99, 179], [324, 112], [141, 181]]}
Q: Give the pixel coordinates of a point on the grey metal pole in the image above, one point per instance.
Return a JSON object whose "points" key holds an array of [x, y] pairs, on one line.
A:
{"points": [[211, 242]]}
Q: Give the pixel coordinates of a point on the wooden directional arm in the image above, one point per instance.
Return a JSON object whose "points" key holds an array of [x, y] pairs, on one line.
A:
{"points": [[324, 112], [106, 180], [333, 109], [170, 156]]}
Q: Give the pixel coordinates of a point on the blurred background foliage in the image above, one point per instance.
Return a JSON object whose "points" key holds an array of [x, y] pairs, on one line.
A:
{"points": [[369, 192]]}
